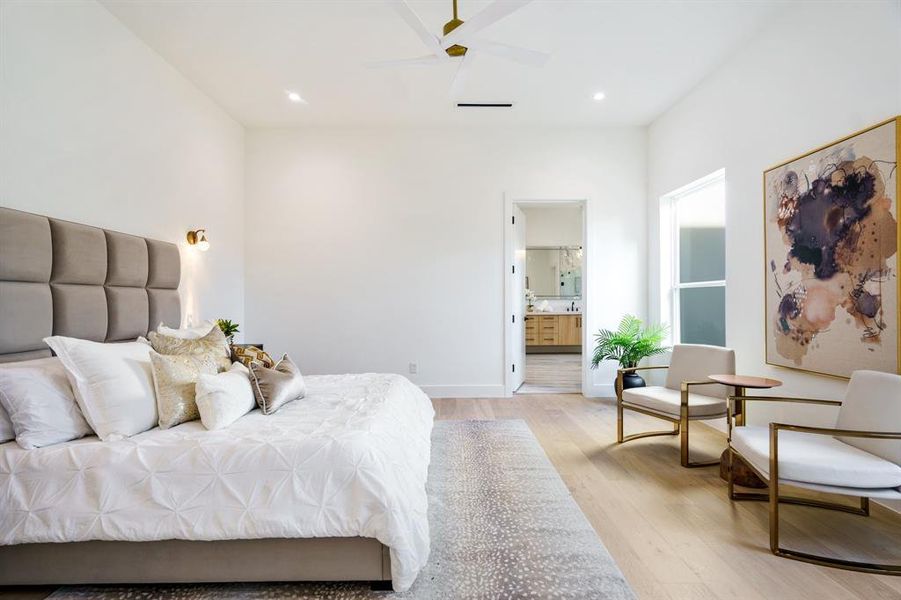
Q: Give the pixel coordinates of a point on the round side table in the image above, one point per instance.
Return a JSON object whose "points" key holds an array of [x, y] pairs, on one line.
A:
{"points": [[744, 475]]}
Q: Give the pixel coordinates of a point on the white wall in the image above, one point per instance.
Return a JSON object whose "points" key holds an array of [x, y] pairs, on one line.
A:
{"points": [[810, 77], [372, 249], [97, 128], [553, 226]]}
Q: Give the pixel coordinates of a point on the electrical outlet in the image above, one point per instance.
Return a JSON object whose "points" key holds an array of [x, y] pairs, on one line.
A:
{"points": [[413, 368]]}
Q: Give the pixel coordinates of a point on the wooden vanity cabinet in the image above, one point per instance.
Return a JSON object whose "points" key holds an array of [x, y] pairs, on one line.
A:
{"points": [[553, 330], [531, 328], [569, 330]]}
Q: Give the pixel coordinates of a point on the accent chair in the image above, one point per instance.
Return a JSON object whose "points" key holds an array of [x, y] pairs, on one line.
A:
{"points": [[686, 396], [860, 456]]}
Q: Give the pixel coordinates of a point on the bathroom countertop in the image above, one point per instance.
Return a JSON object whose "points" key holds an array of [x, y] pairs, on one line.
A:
{"points": [[555, 314]]}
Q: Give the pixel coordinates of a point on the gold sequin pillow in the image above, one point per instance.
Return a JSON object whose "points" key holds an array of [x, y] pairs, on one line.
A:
{"points": [[251, 354], [174, 379], [212, 344]]}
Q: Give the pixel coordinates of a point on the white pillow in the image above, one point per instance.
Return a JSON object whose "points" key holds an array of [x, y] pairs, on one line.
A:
{"points": [[187, 333], [224, 398], [6, 427], [113, 384], [40, 403], [7, 432]]}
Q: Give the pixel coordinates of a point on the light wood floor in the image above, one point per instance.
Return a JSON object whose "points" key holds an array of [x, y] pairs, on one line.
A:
{"points": [[672, 531], [552, 374]]}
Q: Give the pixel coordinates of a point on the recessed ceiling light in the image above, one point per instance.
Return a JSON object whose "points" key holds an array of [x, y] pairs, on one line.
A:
{"points": [[599, 96], [295, 97]]}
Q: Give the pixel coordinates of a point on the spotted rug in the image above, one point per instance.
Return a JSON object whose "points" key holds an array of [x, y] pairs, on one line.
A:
{"points": [[503, 525]]}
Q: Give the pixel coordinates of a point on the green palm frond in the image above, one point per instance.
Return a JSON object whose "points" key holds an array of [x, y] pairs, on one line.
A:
{"points": [[227, 327], [630, 343]]}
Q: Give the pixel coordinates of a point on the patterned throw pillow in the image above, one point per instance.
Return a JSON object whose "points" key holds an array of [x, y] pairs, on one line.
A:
{"points": [[212, 344], [251, 354], [174, 379]]}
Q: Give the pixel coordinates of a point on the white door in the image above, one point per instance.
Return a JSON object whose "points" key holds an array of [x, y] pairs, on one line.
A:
{"points": [[519, 297]]}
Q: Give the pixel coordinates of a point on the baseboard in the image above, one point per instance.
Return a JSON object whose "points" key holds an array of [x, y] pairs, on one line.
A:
{"points": [[464, 391], [601, 390]]}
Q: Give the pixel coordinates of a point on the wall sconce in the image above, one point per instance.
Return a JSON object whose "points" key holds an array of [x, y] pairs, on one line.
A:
{"points": [[198, 238]]}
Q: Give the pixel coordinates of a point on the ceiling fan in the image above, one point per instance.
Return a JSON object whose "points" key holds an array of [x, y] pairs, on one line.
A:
{"points": [[458, 41]]}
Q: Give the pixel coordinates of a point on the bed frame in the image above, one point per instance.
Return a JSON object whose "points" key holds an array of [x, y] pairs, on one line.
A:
{"points": [[63, 278], [184, 561]]}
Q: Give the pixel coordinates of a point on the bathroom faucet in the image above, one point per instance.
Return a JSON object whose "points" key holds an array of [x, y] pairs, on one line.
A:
{"points": [[572, 308]]}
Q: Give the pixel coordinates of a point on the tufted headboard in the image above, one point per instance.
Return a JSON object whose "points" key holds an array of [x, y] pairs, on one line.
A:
{"points": [[62, 278]]}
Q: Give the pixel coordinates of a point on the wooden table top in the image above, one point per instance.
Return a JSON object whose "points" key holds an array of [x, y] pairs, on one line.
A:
{"points": [[745, 381]]}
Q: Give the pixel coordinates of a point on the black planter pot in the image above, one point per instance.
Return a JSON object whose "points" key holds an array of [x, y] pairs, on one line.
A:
{"points": [[632, 380]]}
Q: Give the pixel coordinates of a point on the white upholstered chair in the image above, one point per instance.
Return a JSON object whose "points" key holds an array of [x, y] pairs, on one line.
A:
{"points": [[687, 395], [860, 457]]}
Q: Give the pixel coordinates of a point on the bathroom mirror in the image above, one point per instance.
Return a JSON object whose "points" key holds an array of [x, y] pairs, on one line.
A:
{"points": [[554, 272]]}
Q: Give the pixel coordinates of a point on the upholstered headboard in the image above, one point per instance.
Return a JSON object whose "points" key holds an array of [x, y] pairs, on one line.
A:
{"points": [[62, 278]]}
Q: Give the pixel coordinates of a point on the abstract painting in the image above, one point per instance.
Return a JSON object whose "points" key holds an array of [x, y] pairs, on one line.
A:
{"points": [[831, 241]]}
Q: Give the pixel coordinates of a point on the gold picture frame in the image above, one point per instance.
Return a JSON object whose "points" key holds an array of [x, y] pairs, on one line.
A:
{"points": [[832, 287]]}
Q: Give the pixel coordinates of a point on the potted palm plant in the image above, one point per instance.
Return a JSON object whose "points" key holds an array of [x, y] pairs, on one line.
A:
{"points": [[229, 329], [630, 343]]}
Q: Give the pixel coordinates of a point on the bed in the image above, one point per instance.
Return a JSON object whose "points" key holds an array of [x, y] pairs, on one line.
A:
{"points": [[329, 488]]}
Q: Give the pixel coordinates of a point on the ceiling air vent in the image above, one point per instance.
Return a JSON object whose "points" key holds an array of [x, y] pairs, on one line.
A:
{"points": [[484, 105]]}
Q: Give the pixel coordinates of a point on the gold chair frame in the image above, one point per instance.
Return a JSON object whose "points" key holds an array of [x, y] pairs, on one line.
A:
{"points": [[774, 498], [680, 423]]}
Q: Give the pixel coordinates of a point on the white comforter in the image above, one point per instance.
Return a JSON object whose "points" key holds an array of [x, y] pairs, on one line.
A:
{"points": [[349, 459]]}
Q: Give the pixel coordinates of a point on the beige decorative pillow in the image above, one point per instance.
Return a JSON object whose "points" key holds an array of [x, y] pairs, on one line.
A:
{"points": [[174, 378], [273, 388], [212, 344], [248, 354]]}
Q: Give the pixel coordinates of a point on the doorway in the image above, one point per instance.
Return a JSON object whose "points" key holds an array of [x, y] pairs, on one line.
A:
{"points": [[545, 247]]}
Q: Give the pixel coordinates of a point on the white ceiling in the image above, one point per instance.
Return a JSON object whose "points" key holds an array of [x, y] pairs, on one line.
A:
{"points": [[644, 55]]}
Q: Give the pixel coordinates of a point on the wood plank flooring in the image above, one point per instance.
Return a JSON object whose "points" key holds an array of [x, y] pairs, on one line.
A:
{"points": [[672, 531], [552, 374]]}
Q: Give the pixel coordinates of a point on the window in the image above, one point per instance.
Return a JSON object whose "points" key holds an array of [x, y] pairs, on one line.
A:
{"points": [[693, 261]]}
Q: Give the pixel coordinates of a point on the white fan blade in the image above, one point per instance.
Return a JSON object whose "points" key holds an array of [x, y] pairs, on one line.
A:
{"points": [[460, 76], [428, 59], [525, 56], [416, 24], [493, 13]]}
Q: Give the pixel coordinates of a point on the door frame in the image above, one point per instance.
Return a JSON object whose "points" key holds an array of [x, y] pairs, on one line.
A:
{"points": [[509, 353]]}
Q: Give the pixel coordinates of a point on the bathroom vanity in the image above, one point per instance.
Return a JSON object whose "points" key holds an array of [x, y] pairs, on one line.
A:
{"points": [[553, 331]]}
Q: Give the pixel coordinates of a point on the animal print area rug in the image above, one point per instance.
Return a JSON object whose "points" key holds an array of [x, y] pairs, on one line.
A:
{"points": [[503, 525]]}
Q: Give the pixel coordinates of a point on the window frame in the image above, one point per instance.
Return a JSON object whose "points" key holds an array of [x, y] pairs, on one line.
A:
{"points": [[670, 284]]}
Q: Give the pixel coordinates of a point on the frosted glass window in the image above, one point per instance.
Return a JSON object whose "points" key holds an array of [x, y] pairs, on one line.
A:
{"points": [[702, 254], [702, 318], [693, 261], [701, 219]]}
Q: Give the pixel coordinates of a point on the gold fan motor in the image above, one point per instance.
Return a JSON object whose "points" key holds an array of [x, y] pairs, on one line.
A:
{"points": [[456, 49]]}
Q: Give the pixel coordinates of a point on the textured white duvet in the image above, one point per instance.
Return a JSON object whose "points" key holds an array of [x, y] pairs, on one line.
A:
{"points": [[349, 459]]}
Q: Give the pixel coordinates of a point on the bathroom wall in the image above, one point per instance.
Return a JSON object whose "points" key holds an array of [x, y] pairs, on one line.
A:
{"points": [[553, 225]]}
